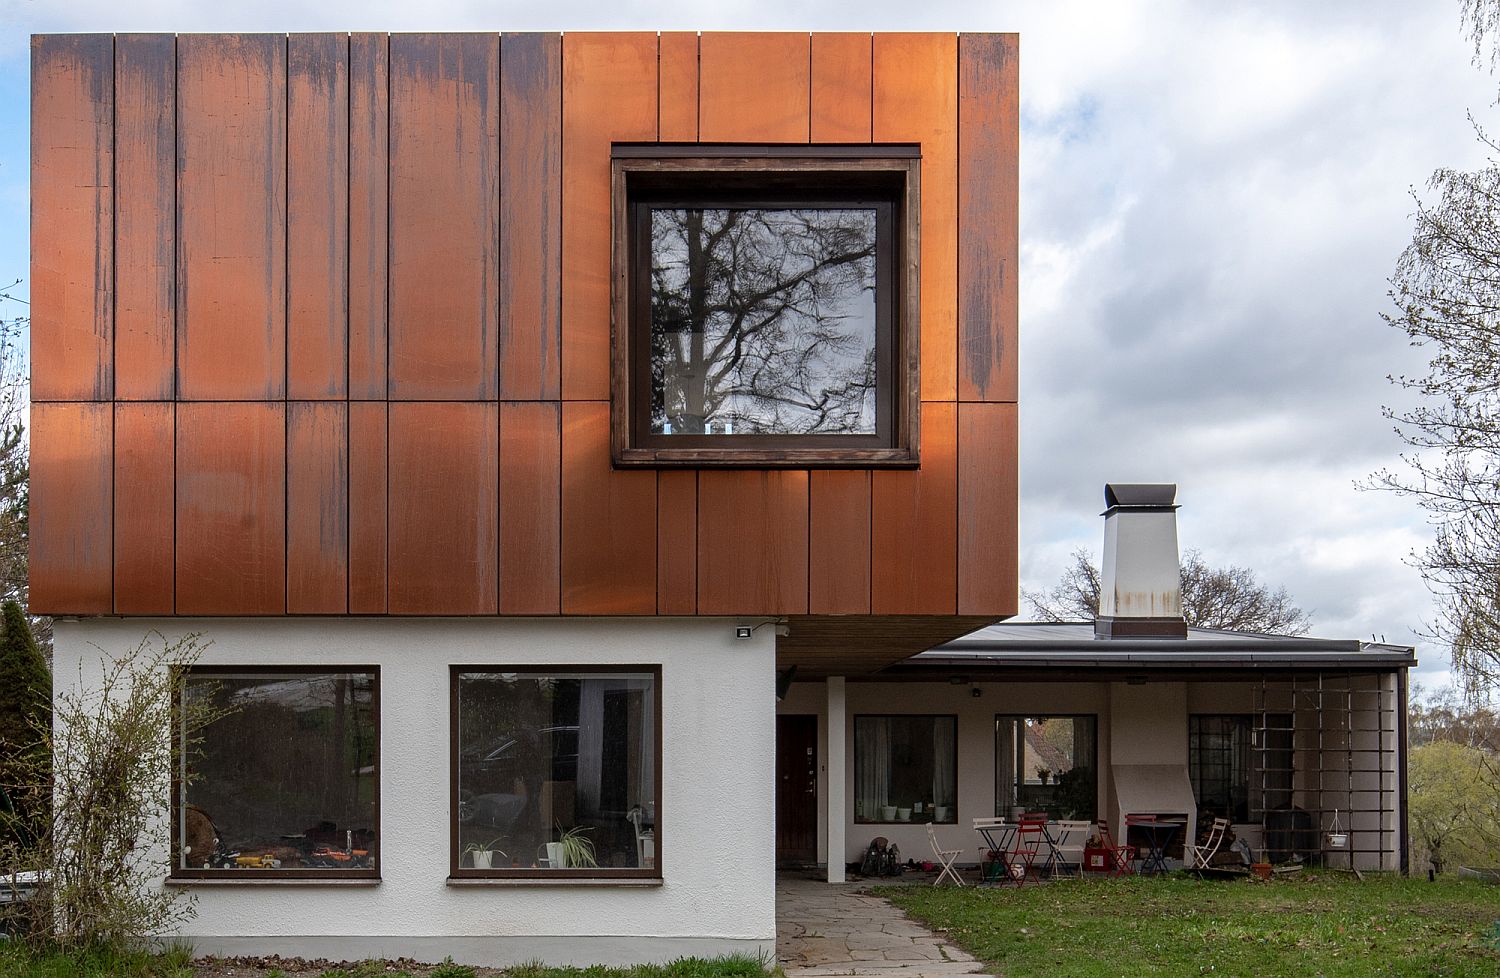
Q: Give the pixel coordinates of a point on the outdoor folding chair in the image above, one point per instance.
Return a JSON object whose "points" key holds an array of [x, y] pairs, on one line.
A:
{"points": [[1069, 837], [1120, 857], [1199, 856], [1030, 840], [945, 857]]}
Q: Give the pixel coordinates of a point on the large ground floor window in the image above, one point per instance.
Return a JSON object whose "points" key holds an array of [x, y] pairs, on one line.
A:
{"points": [[1240, 769], [555, 772], [906, 769], [1047, 763], [285, 780]]}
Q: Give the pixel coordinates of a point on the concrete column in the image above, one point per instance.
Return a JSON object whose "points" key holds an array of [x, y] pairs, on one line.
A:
{"points": [[836, 752]]}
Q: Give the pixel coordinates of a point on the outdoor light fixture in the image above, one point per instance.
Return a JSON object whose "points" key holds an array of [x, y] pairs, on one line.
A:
{"points": [[743, 631], [1135, 680], [976, 692]]}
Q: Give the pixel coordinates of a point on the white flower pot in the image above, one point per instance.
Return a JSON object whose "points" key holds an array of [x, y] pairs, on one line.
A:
{"points": [[940, 813], [887, 813], [482, 858], [555, 855]]}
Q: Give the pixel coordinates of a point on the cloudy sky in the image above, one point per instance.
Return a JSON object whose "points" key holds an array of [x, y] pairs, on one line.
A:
{"points": [[1210, 205]]}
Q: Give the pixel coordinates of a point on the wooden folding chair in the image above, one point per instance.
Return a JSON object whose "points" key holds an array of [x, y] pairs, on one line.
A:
{"points": [[945, 857], [1199, 856]]}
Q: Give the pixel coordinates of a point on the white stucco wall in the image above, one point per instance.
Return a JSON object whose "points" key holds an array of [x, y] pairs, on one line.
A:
{"points": [[716, 825]]}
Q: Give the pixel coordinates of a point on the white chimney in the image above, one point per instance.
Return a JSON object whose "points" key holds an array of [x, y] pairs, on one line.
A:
{"points": [[1140, 584]]}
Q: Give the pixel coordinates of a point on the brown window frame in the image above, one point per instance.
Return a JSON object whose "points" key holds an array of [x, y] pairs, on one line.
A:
{"points": [[886, 176], [854, 757], [179, 799], [457, 871]]}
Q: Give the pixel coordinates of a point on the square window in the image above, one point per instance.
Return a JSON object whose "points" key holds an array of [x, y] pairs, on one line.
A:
{"points": [[285, 782], [1047, 763], [765, 306], [906, 769], [556, 772]]}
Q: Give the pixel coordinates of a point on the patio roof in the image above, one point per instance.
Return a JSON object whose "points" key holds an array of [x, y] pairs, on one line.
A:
{"points": [[1025, 646]]}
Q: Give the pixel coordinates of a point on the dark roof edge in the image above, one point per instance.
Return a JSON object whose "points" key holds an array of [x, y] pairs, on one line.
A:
{"points": [[1293, 645]]}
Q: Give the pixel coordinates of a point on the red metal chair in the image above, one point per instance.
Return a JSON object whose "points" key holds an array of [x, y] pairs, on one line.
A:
{"points": [[1120, 856], [1030, 842]]}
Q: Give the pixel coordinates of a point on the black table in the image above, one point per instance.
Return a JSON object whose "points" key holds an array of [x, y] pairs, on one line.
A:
{"points": [[1159, 835]]}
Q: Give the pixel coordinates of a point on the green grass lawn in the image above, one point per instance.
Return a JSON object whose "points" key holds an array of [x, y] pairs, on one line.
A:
{"points": [[1309, 925]]}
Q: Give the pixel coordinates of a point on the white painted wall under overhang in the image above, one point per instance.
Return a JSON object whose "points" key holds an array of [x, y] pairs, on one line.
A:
{"points": [[716, 824]]}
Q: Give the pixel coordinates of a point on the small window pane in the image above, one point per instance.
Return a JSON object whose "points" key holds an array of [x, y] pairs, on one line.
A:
{"points": [[285, 779], [905, 769], [763, 321], [1047, 764], [556, 771]]}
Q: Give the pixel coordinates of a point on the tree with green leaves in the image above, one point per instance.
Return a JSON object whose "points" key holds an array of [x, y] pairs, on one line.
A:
{"points": [[25, 716]]}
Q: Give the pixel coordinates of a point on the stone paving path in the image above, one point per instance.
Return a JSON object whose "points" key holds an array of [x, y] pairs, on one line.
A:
{"points": [[825, 929]]}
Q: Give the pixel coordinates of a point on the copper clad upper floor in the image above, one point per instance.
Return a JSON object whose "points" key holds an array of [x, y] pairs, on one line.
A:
{"points": [[381, 324]]}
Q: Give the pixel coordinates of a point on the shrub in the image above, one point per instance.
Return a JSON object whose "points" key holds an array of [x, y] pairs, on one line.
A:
{"points": [[25, 711], [111, 750]]}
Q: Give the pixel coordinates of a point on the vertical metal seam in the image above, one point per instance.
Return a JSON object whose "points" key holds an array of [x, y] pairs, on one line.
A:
{"points": [[286, 331], [176, 385], [114, 305]]}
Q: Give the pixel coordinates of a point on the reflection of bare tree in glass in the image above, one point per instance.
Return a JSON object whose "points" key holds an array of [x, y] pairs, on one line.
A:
{"points": [[763, 321]]}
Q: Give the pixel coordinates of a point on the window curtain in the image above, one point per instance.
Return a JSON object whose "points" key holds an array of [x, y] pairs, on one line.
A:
{"points": [[1005, 765], [590, 743], [872, 765], [943, 761]]}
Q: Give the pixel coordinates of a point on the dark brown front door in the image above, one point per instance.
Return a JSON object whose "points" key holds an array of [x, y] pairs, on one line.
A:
{"points": [[796, 789]]}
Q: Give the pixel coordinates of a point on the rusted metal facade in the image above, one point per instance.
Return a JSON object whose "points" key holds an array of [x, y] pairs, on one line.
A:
{"points": [[322, 326]]}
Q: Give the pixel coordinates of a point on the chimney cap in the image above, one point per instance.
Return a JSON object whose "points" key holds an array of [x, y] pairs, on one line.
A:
{"points": [[1158, 497]]}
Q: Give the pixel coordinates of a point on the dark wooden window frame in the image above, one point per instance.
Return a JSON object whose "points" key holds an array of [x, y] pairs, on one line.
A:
{"points": [[854, 754], [457, 872], [887, 176], [999, 808], [178, 874]]}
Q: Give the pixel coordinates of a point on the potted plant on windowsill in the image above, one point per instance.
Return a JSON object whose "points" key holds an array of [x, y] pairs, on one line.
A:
{"points": [[572, 850], [482, 854]]}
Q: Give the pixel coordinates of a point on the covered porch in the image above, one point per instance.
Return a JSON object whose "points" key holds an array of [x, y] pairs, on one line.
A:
{"points": [[1288, 738]]}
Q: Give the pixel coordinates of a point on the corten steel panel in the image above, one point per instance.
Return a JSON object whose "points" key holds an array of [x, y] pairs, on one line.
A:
{"points": [[530, 216], [678, 97], [609, 522], [609, 93], [317, 508], [72, 218], [752, 542], [916, 100], [231, 220], [71, 508], [987, 500], [839, 540], [676, 542], [367, 508], [914, 525], [444, 506], [530, 508], [231, 509], [317, 215], [368, 177], [145, 217], [841, 88], [753, 87], [144, 522], [988, 188], [444, 213]]}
